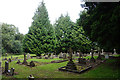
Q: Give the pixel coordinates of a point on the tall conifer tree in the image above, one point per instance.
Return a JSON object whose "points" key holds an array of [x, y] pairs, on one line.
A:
{"points": [[40, 38]]}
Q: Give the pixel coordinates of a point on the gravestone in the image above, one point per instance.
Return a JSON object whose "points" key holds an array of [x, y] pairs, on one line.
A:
{"points": [[9, 60], [71, 65], [102, 52], [12, 71], [18, 62], [52, 55], [30, 77], [64, 56], [106, 55], [6, 66], [99, 55], [92, 58], [28, 56], [25, 62], [61, 55], [32, 64], [114, 51], [46, 56]]}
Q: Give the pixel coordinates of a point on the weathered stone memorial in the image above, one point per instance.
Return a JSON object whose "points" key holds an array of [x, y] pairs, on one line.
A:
{"points": [[64, 56], [24, 61], [28, 56], [71, 65]]}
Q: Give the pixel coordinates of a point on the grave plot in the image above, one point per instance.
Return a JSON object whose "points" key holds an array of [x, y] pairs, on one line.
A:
{"points": [[82, 65]]}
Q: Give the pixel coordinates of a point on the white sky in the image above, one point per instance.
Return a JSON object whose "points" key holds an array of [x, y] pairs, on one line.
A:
{"points": [[20, 12]]}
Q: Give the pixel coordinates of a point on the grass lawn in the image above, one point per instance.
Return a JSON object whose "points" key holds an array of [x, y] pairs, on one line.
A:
{"points": [[109, 69]]}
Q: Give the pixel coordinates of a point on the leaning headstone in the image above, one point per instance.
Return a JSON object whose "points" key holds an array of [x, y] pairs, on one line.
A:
{"points": [[25, 62], [32, 64], [6, 66], [92, 58], [12, 71]]}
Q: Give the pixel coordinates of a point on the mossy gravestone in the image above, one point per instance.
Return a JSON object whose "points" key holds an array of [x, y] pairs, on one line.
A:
{"points": [[71, 65]]}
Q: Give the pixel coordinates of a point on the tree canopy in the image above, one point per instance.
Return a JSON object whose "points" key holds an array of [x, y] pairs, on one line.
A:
{"points": [[101, 24], [40, 38]]}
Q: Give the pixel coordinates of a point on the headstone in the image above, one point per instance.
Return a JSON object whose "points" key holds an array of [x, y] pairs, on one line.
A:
{"points": [[32, 64], [46, 56], [102, 52], [18, 62], [64, 55], [25, 62], [52, 55], [12, 71], [28, 56], [61, 55], [107, 55], [9, 60], [30, 77], [114, 51], [6, 66]]}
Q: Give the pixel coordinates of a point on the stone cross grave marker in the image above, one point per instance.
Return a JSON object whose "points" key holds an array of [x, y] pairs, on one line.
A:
{"points": [[24, 62]]}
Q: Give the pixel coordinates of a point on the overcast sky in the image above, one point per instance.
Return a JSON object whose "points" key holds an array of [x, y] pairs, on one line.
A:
{"points": [[20, 12]]}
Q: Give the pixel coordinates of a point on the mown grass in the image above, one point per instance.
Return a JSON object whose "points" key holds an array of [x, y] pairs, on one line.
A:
{"points": [[107, 70]]}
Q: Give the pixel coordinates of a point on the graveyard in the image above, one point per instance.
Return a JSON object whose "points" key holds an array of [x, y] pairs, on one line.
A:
{"points": [[87, 47], [48, 68]]}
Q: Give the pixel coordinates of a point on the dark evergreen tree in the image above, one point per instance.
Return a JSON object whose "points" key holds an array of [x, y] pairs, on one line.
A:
{"points": [[40, 38], [101, 24]]}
